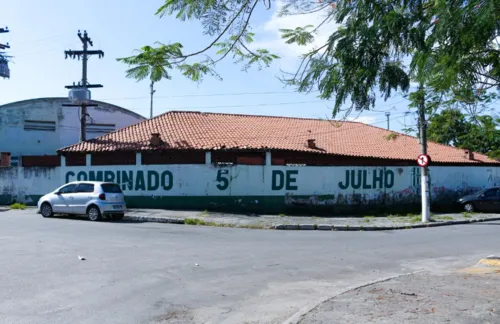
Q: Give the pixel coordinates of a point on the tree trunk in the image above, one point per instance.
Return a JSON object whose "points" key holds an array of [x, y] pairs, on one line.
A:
{"points": [[152, 93]]}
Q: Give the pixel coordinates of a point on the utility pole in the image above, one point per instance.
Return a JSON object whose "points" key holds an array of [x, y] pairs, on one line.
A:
{"points": [[4, 62], [152, 93], [387, 114], [4, 30], [426, 209], [83, 86]]}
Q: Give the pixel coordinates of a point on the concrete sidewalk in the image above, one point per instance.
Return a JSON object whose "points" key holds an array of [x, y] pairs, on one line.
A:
{"points": [[284, 222], [453, 297]]}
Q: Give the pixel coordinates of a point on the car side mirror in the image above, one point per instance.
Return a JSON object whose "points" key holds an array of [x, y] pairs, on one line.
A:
{"points": [[57, 192], [482, 196]]}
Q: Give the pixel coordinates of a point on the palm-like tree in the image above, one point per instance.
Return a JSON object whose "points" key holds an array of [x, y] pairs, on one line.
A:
{"points": [[150, 62]]}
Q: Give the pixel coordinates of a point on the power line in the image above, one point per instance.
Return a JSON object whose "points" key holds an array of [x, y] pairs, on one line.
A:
{"points": [[318, 118], [337, 129], [209, 95], [256, 105], [37, 52], [41, 39], [243, 106]]}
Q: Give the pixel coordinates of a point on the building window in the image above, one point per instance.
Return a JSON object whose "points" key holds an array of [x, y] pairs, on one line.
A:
{"points": [[76, 159], [40, 125], [100, 128], [236, 157], [41, 161], [173, 157], [114, 158]]}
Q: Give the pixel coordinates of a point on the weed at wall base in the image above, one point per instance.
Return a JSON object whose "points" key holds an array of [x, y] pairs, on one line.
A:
{"points": [[18, 206]]}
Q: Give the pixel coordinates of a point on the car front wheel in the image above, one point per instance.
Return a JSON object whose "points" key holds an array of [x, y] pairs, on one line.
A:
{"points": [[46, 210], [93, 213], [469, 207]]}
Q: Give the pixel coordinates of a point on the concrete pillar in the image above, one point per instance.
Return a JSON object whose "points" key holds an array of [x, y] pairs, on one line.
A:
{"points": [[268, 159], [63, 161], [138, 158], [208, 158], [88, 160]]}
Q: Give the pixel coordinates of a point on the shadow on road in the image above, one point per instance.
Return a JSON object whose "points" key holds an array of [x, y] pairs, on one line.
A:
{"points": [[83, 218]]}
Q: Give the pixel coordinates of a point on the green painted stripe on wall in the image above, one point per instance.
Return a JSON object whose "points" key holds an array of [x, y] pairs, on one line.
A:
{"points": [[29, 200], [301, 205], [262, 204]]}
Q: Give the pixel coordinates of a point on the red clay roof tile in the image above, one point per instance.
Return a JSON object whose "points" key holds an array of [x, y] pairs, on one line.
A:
{"points": [[213, 131]]}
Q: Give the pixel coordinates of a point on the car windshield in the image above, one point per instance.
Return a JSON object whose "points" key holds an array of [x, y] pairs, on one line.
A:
{"points": [[111, 188], [483, 191]]}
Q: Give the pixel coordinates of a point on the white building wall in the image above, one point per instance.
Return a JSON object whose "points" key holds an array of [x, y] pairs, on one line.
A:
{"points": [[15, 139], [271, 188]]}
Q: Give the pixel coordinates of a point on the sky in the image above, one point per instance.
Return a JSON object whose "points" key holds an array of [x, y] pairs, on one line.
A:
{"points": [[40, 32]]}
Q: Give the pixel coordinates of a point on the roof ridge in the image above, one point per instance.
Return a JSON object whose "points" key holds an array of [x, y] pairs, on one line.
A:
{"points": [[251, 115]]}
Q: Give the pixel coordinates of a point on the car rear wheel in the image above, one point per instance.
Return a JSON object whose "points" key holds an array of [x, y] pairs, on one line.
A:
{"points": [[469, 207], [46, 210], [93, 213]]}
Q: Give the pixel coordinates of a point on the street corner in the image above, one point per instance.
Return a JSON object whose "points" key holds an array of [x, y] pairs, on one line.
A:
{"points": [[488, 265]]}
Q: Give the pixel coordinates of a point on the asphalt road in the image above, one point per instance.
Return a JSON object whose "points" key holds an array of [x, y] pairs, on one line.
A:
{"points": [[158, 273]]}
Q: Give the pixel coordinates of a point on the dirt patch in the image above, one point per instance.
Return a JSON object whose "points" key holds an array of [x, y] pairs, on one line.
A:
{"points": [[420, 298]]}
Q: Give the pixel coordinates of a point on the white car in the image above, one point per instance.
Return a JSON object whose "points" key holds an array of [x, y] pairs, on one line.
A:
{"points": [[95, 199]]}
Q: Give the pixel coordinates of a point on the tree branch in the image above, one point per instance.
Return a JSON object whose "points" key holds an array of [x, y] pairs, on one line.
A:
{"points": [[223, 32], [329, 17], [319, 8], [243, 29], [247, 49]]}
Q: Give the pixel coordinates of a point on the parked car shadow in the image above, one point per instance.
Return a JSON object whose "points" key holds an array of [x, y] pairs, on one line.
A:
{"points": [[84, 218]]}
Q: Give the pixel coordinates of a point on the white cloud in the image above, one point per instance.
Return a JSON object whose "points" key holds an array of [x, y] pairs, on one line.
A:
{"points": [[270, 36]]}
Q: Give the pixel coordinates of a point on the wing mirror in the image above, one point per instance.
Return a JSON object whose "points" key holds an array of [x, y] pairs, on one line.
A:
{"points": [[57, 192]]}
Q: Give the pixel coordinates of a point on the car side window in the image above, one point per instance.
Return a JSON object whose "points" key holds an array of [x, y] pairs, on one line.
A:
{"points": [[490, 193], [85, 187], [68, 189]]}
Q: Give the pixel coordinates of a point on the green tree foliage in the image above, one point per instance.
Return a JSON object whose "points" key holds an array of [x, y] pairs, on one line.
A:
{"points": [[380, 45], [469, 53], [152, 63], [477, 133]]}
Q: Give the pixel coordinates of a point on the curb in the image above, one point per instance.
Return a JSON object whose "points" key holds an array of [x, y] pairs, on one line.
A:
{"points": [[297, 317], [322, 227], [140, 219], [380, 228]]}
